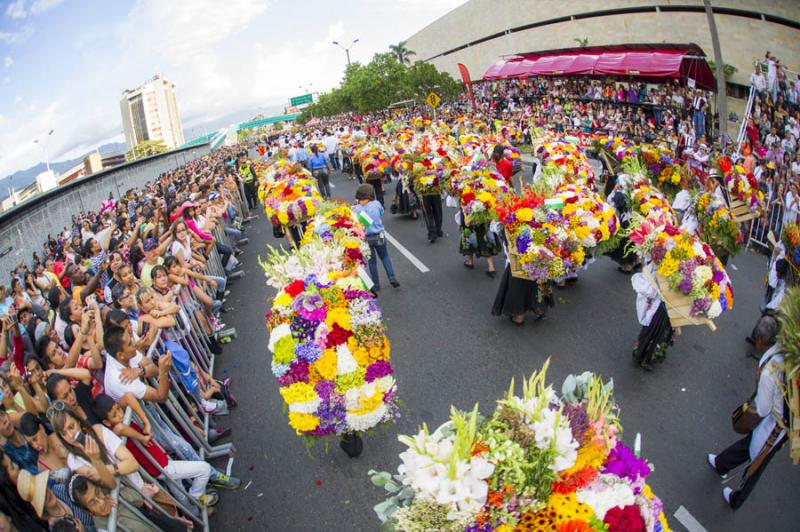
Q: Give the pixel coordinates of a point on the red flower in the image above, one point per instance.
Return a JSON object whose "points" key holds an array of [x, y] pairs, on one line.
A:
{"points": [[628, 519], [671, 231], [724, 164], [337, 336], [467, 197], [295, 287]]}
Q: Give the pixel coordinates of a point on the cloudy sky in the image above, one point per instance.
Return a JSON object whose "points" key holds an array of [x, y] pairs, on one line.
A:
{"points": [[65, 62]]}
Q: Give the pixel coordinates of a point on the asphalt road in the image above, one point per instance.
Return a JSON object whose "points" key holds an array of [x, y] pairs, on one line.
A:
{"points": [[448, 349]]}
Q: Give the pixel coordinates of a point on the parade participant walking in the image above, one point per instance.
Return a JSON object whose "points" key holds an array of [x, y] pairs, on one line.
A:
{"points": [[516, 296], [656, 333], [320, 167], [478, 241], [763, 418], [370, 211], [248, 176]]}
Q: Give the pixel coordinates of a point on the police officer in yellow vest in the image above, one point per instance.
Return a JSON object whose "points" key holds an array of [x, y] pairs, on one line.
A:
{"points": [[248, 176]]}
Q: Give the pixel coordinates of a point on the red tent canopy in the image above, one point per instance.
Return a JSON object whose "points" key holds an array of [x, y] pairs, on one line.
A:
{"points": [[653, 63]]}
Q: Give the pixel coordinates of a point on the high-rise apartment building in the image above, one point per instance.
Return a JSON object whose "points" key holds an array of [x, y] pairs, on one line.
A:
{"points": [[150, 112]]}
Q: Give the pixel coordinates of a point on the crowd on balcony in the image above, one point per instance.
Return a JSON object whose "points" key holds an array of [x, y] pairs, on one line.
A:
{"points": [[122, 312]]}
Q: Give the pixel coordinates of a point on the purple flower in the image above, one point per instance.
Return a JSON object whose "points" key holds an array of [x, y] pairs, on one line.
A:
{"points": [[578, 420], [310, 307], [332, 414], [658, 255], [623, 463], [298, 372], [717, 276], [700, 306], [479, 527], [308, 352], [324, 388], [357, 294], [523, 241], [685, 286], [379, 369]]}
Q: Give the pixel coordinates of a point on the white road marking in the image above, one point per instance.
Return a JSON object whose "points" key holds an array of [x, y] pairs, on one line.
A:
{"points": [[410, 256], [687, 520]]}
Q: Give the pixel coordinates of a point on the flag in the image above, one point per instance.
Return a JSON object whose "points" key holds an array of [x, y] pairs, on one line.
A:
{"points": [[365, 219], [554, 203], [468, 82]]}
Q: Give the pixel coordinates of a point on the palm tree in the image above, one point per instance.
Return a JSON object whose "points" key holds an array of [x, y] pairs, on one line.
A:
{"points": [[401, 53]]}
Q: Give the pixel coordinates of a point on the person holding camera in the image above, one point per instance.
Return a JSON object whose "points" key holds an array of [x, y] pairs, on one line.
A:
{"points": [[370, 211]]}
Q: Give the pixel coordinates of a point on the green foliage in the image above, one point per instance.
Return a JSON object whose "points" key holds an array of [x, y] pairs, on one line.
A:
{"points": [[242, 134], [380, 83], [146, 149], [401, 53], [584, 42], [728, 70], [789, 334]]}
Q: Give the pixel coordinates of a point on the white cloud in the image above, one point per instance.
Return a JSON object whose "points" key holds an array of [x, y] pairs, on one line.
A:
{"points": [[17, 99], [16, 37], [40, 6], [8, 62], [16, 9]]}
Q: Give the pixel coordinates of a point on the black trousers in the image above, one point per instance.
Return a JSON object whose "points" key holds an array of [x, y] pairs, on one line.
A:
{"points": [[250, 194], [377, 184], [359, 172], [433, 215], [737, 454]]}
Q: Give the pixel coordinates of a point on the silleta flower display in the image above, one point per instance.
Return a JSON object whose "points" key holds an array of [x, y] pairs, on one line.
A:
{"points": [[329, 348], [538, 462]]}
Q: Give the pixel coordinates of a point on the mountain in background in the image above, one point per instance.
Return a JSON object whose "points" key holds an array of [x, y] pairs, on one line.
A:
{"points": [[23, 178]]}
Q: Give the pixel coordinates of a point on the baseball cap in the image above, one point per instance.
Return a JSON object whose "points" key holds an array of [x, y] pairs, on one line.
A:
{"points": [[150, 244]]}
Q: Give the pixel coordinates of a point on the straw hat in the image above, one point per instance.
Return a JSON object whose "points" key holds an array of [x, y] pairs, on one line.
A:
{"points": [[33, 489]]}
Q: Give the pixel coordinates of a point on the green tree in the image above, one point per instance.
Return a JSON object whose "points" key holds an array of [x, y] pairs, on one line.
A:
{"points": [[380, 83], [146, 149], [402, 53], [242, 134]]}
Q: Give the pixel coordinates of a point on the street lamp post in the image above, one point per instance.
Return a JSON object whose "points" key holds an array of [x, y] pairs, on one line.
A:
{"points": [[43, 144], [346, 50]]}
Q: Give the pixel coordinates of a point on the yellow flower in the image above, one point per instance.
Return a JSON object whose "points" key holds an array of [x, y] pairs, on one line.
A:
{"points": [[578, 256], [582, 232], [325, 365], [282, 300], [525, 215], [668, 267], [568, 209], [283, 218], [340, 316], [605, 232], [484, 197], [645, 208], [367, 405], [301, 422], [299, 392]]}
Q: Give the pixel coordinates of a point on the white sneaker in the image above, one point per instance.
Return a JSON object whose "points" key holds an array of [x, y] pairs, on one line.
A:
{"points": [[712, 462], [727, 494]]}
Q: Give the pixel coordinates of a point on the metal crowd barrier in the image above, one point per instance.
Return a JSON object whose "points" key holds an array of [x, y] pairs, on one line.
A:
{"points": [[759, 229], [191, 508]]}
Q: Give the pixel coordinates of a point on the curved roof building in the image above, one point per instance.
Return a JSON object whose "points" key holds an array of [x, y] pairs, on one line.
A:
{"points": [[480, 32]]}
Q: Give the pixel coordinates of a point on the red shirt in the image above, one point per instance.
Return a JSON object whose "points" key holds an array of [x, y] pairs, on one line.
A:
{"points": [[153, 449], [505, 167]]}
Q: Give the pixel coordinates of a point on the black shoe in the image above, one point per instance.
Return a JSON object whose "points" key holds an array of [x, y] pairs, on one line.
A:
{"points": [[238, 252], [394, 283], [439, 233], [214, 345], [749, 340], [492, 273], [352, 444], [517, 323]]}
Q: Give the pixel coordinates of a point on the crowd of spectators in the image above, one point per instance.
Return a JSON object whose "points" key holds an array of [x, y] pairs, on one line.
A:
{"points": [[81, 326]]}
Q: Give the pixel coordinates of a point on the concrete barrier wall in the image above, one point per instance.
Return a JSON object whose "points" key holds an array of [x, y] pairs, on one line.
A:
{"points": [[25, 228]]}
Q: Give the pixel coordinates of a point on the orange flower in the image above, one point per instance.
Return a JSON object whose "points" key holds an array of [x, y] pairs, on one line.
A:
{"points": [[574, 525]]}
